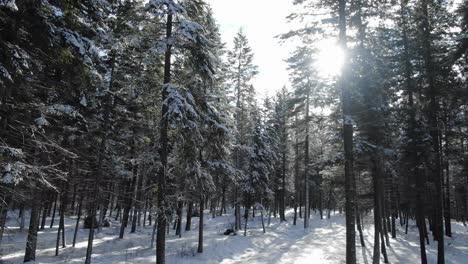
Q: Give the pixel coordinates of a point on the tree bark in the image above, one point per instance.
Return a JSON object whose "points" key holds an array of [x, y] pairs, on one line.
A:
{"points": [[348, 143], [77, 225], [53, 211], [434, 131], [61, 228], [31, 241], [164, 151], [200, 226], [306, 164], [188, 224]]}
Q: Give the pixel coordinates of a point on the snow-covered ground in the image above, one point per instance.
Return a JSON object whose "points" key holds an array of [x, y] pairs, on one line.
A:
{"points": [[323, 242]]}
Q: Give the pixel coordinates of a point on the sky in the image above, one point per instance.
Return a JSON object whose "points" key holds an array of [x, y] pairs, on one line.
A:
{"points": [[261, 21]]}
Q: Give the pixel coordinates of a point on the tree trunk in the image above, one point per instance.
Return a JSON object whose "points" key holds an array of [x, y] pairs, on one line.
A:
{"points": [[153, 234], [377, 220], [200, 226], [21, 214], [263, 222], [223, 199], [127, 208], [61, 229], [306, 165], [447, 207], [137, 201], [348, 143], [295, 212], [282, 197], [246, 218], [164, 151], [31, 242], [188, 225], [89, 249], [179, 219], [53, 211], [45, 206], [77, 225], [382, 244], [434, 131], [3, 213]]}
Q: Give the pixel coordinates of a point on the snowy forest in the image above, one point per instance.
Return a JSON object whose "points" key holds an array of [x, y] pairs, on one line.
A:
{"points": [[130, 132]]}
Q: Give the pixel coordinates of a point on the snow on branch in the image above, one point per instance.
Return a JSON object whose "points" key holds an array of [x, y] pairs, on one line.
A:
{"points": [[180, 108], [84, 45], [16, 172], [190, 30], [11, 152], [172, 6], [10, 4], [5, 74], [12, 172], [63, 110]]}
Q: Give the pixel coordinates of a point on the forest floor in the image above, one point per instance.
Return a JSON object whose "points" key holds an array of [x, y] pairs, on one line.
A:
{"points": [[323, 242]]}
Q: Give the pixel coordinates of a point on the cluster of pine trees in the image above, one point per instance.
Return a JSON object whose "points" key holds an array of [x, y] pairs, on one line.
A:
{"points": [[135, 110], [401, 98]]}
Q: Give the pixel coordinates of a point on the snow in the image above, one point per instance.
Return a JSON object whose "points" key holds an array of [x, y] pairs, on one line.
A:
{"points": [[323, 242], [172, 6], [85, 46], [61, 109], [41, 121], [84, 101], [180, 106], [12, 172], [57, 11], [190, 30], [348, 120], [5, 74], [11, 4], [11, 152]]}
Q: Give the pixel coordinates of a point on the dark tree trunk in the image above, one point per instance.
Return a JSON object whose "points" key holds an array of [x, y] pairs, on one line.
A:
{"points": [[127, 207], [77, 225], [282, 205], [31, 241], [295, 212], [137, 202], [188, 224], [377, 218], [434, 131], [247, 206], [179, 219], [200, 226], [73, 201], [61, 229], [348, 143], [223, 200], [412, 134], [306, 164], [447, 207], [89, 249], [53, 211], [263, 222], [358, 216], [45, 206], [3, 213], [164, 152], [101, 153], [382, 244]]}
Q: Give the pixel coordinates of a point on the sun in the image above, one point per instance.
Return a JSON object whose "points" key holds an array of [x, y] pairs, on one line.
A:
{"points": [[330, 59]]}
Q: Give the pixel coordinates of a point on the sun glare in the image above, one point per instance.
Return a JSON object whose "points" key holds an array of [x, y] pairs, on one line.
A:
{"points": [[330, 59]]}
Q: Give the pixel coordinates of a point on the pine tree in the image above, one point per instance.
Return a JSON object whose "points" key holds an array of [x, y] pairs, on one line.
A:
{"points": [[240, 73]]}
